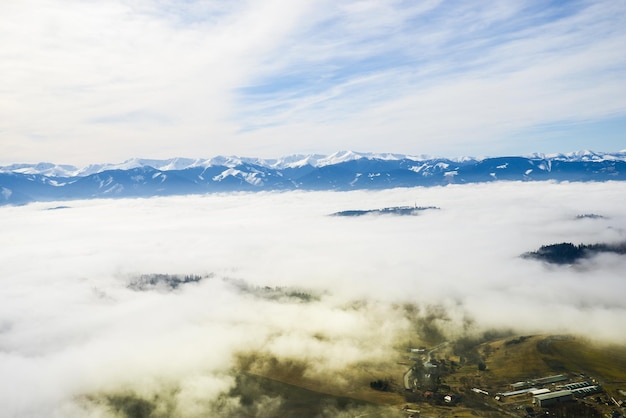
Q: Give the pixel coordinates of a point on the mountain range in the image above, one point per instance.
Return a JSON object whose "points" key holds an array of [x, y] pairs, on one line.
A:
{"points": [[344, 170]]}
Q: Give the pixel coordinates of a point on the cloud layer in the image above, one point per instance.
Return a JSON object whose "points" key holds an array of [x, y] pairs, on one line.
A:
{"points": [[124, 78], [71, 329]]}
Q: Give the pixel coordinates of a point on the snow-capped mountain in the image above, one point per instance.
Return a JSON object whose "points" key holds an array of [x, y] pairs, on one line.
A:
{"points": [[344, 170]]}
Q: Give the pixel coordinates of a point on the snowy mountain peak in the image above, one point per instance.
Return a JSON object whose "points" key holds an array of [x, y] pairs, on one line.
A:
{"points": [[293, 161], [47, 169], [583, 155], [341, 157], [24, 183]]}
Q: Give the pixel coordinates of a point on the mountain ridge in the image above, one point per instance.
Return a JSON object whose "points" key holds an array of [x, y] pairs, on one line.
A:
{"points": [[290, 161], [343, 170]]}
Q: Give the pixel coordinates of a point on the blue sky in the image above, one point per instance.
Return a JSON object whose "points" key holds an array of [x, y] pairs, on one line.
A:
{"points": [[86, 82]]}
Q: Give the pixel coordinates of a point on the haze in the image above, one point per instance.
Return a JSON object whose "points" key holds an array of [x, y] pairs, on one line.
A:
{"points": [[70, 327]]}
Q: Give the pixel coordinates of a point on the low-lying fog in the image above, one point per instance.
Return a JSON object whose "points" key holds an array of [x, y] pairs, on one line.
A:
{"points": [[71, 328]]}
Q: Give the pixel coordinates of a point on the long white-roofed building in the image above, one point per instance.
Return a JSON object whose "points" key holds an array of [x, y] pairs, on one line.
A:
{"points": [[553, 398]]}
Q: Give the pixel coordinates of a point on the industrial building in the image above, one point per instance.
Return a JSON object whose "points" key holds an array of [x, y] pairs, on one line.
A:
{"points": [[542, 381], [553, 398], [521, 385], [549, 379], [518, 392], [587, 390], [539, 391], [575, 385]]}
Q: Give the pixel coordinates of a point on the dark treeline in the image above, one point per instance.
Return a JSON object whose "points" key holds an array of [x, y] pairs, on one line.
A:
{"points": [[165, 281], [396, 210], [568, 253]]}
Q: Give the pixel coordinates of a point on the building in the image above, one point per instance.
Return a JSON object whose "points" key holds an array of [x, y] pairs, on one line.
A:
{"points": [[553, 398], [576, 385], [550, 379], [518, 392], [542, 381], [538, 392], [521, 385], [484, 392], [586, 391]]}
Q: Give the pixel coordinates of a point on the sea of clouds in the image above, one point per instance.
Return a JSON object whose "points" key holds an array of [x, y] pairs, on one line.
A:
{"points": [[74, 335]]}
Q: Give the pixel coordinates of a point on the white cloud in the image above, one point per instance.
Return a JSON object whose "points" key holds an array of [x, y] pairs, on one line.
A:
{"points": [[476, 80], [88, 82], [70, 327], [126, 75]]}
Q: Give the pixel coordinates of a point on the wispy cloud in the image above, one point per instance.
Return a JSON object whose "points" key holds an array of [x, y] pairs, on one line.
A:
{"points": [[455, 74], [279, 77]]}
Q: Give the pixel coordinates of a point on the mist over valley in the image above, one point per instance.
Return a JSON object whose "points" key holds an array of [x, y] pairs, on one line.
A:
{"points": [[177, 306]]}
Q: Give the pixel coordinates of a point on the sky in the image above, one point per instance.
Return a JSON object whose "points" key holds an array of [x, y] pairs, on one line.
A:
{"points": [[88, 82], [73, 334]]}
